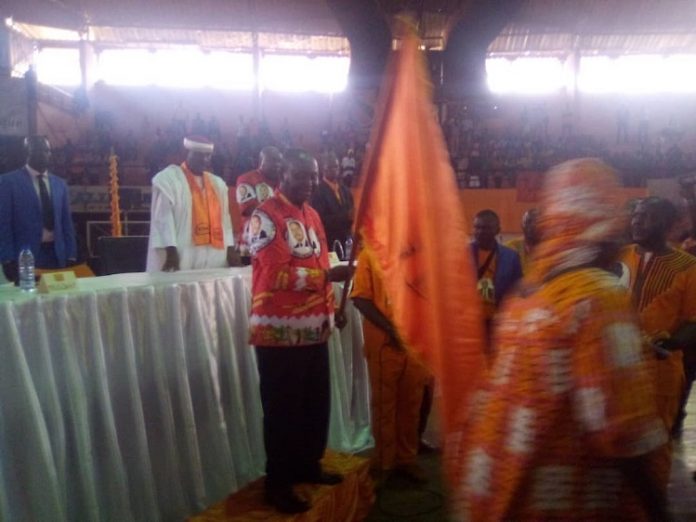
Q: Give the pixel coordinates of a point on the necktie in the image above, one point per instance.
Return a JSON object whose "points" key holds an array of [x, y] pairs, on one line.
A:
{"points": [[46, 204]]}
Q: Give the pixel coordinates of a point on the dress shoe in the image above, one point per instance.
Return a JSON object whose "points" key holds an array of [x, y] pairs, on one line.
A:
{"points": [[285, 500], [325, 478]]}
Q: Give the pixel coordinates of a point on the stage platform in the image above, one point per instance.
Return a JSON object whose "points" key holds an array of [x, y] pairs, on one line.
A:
{"points": [[349, 501]]}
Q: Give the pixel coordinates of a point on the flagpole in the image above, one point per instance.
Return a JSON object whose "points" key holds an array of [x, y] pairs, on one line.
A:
{"points": [[367, 178]]}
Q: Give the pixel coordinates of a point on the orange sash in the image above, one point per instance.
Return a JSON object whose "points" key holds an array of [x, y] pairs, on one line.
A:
{"points": [[207, 216]]}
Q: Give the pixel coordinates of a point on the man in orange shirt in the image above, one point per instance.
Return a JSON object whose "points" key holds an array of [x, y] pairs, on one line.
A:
{"points": [[397, 378], [256, 186], [688, 192], [565, 426], [530, 238], [662, 281]]}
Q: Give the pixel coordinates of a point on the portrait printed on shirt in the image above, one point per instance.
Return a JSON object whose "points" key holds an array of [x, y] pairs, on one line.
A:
{"points": [[486, 289], [314, 241], [298, 239], [263, 192], [245, 192], [260, 231]]}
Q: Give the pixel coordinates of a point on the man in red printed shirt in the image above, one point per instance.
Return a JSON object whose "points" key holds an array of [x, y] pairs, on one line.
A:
{"points": [[256, 186], [292, 316]]}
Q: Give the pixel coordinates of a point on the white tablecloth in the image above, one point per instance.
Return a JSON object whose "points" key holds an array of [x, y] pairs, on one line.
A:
{"points": [[136, 397]]}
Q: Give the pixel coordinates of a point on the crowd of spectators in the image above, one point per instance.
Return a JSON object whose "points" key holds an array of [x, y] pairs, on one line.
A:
{"points": [[483, 155], [145, 152]]}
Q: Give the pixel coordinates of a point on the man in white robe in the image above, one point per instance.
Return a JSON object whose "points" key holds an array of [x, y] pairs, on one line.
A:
{"points": [[172, 246]]}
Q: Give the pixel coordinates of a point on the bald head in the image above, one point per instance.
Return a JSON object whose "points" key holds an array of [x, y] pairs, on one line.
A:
{"points": [[300, 175], [529, 226], [271, 162], [38, 151], [486, 228], [329, 166], [652, 221]]}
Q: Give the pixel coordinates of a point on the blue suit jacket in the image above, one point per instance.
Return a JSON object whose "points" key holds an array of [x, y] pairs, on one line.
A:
{"points": [[20, 218], [508, 269]]}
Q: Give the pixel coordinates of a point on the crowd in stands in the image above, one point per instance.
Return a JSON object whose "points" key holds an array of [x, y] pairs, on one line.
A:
{"points": [[152, 148], [482, 157]]}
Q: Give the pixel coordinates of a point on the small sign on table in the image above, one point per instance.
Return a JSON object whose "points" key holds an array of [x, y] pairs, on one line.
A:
{"points": [[57, 281]]}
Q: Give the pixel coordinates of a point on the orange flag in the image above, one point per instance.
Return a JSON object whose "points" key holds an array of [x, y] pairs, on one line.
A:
{"points": [[410, 217]]}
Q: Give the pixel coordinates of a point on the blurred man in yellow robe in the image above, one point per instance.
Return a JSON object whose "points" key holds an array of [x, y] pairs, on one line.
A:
{"points": [[565, 427]]}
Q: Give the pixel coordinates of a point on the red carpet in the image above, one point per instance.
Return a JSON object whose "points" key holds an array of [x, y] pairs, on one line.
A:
{"points": [[349, 501]]}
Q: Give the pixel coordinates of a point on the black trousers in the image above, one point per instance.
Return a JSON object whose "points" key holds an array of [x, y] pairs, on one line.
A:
{"points": [[46, 256], [295, 396]]}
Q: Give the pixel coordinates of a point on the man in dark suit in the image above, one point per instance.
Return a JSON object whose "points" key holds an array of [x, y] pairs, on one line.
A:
{"points": [[35, 213], [333, 202]]}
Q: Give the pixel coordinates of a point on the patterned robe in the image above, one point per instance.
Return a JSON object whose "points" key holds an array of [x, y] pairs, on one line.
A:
{"points": [[569, 393]]}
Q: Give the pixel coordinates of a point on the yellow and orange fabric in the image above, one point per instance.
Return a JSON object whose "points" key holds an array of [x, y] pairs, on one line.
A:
{"points": [[579, 212], [570, 390], [350, 501], [397, 379], [206, 212], [409, 217], [519, 246], [663, 289]]}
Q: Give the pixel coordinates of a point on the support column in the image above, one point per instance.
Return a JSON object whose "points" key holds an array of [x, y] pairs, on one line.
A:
{"points": [[256, 54], [32, 101], [5, 52]]}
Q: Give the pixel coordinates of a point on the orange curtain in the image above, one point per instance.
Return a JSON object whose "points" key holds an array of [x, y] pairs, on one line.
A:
{"points": [[410, 217]]}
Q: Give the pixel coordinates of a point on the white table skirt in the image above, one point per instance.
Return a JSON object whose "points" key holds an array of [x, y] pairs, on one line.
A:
{"points": [[136, 397]]}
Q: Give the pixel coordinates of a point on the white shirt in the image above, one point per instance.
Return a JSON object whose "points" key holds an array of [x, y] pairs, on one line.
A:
{"points": [[46, 235], [172, 218], [35, 179]]}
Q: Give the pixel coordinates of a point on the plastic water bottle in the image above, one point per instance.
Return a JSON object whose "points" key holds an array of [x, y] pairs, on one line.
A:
{"points": [[27, 283], [348, 250]]}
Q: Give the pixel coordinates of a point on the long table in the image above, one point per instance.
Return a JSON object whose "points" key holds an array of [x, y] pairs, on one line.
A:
{"points": [[135, 397]]}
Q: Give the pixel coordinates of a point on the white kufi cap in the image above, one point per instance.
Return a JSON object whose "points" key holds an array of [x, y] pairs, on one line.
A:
{"points": [[199, 144]]}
